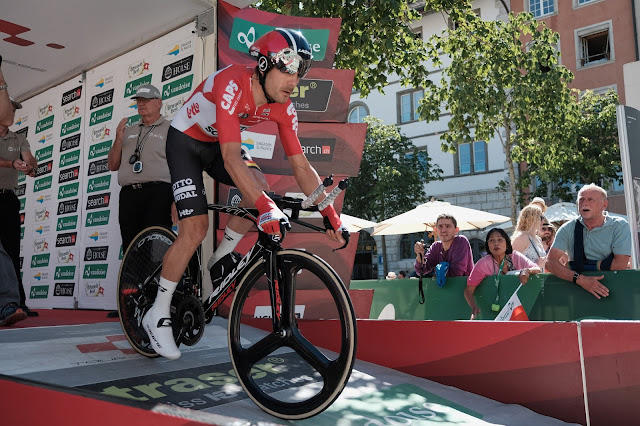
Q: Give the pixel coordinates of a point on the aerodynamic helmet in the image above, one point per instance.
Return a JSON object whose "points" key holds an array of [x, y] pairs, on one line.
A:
{"points": [[287, 50]]}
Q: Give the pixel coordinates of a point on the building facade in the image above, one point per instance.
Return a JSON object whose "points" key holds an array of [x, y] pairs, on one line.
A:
{"points": [[596, 39]]}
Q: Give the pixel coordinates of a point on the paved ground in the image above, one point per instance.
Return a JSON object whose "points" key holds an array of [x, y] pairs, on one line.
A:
{"points": [[97, 357]]}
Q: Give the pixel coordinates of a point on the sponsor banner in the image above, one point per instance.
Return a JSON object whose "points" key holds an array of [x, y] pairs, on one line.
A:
{"points": [[70, 127], [43, 139], [44, 199], [66, 207], [23, 202], [131, 87], [43, 229], [323, 96], [40, 245], [99, 183], [97, 218], [239, 28], [39, 292], [69, 158], [64, 289], [69, 143], [100, 133], [40, 276], [21, 177], [22, 119], [42, 184], [97, 236], [93, 289], [44, 124], [98, 166], [66, 191], [100, 149], [133, 120], [24, 131], [70, 112], [67, 223], [101, 82], [96, 254], [171, 106], [43, 154], [179, 49], [177, 68], [40, 214], [21, 190], [101, 99], [71, 95], [101, 116], [44, 168], [98, 201], [65, 272], [332, 148], [66, 239], [138, 68], [68, 175], [66, 255], [45, 110], [177, 87], [95, 272], [40, 260]]}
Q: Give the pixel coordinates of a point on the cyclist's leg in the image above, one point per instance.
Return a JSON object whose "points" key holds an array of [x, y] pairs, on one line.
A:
{"points": [[236, 226], [183, 157]]}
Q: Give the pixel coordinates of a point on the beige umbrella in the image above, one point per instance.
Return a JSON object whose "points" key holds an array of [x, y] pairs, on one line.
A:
{"points": [[423, 218], [355, 224]]}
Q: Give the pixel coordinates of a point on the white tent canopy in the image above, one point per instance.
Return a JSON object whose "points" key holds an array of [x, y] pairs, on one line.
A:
{"points": [[563, 212], [423, 218], [355, 224]]}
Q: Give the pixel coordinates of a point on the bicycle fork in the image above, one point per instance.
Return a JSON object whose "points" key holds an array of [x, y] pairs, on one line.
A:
{"points": [[275, 288]]}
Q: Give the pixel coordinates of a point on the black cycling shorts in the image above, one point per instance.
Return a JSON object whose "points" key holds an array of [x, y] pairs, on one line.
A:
{"points": [[187, 158]]}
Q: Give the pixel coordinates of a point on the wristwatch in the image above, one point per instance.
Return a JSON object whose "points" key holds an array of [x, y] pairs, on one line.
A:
{"points": [[575, 277], [3, 86]]}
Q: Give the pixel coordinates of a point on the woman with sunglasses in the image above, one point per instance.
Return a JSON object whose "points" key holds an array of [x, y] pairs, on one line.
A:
{"points": [[500, 259], [525, 238], [205, 135]]}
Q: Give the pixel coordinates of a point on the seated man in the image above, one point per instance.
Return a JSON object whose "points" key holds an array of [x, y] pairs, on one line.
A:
{"points": [[594, 241], [452, 248]]}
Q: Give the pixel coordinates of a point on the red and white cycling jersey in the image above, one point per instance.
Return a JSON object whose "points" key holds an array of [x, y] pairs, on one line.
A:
{"points": [[222, 106]]}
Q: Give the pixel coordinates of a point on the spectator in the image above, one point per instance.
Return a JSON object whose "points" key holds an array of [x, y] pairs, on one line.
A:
{"points": [[500, 259], [15, 156], [525, 238], [452, 248], [146, 198], [391, 276], [537, 201], [594, 241], [548, 235], [402, 275]]}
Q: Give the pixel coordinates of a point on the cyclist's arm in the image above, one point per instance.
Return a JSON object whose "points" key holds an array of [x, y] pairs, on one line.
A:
{"points": [[308, 180], [239, 172]]}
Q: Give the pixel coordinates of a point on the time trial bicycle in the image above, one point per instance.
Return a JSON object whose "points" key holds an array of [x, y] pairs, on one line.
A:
{"points": [[269, 281]]}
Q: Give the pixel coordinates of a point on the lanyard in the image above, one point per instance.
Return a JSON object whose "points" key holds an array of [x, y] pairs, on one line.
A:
{"points": [[496, 278], [140, 143]]}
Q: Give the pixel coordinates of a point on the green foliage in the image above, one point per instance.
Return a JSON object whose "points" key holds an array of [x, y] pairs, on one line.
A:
{"points": [[392, 175], [588, 153], [375, 38], [495, 82]]}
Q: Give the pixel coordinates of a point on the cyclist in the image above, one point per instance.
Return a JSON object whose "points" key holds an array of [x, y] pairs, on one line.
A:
{"points": [[205, 134]]}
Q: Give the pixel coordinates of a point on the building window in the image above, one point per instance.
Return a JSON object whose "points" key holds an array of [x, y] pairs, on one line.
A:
{"points": [[409, 102], [472, 158], [594, 44], [409, 240], [541, 7], [422, 157], [357, 113], [577, 3]]}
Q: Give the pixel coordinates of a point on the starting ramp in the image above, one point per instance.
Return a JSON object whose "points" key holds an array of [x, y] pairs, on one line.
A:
{"points": [[96, 363]]}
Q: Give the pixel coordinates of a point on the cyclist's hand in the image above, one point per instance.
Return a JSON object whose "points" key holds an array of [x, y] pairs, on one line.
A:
{"points": [[270, 216], [336, 230], [336, 236]]}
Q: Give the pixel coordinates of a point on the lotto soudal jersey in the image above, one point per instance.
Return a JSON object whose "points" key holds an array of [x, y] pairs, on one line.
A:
{"points": [[222, 106]]}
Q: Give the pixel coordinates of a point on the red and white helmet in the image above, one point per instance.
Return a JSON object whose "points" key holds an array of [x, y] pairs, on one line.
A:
{"points": [[286, 50]]}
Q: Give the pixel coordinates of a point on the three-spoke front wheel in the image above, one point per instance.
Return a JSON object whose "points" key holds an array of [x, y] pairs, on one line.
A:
{"points": [[283, 371]]}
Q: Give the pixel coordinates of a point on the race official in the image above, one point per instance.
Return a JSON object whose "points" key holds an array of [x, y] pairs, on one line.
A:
{"points": [[15, 156], [139, 155]]}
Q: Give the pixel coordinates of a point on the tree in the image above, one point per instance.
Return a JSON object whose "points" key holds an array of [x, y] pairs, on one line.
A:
{"points": [[499, 86], [590, 152], [391, 178], [392, 175], [375, 38]]}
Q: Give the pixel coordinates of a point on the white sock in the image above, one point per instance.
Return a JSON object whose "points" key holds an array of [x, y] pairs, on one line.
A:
{"points": [[163, 299], [227, 245]]}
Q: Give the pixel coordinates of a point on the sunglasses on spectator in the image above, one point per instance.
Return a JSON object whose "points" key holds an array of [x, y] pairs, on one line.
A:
{"points": [[546, 228]]}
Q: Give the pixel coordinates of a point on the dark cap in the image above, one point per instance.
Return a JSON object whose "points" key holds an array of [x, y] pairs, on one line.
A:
{"points": [[16, 104], [147, 91]]}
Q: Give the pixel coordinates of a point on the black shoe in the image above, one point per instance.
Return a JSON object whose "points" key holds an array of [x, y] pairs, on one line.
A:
{"points": [[222, 267], [28, 311], [112, 314], [10, 314]]}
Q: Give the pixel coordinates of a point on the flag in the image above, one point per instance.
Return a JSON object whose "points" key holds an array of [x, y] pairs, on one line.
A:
{"points": [[513, 310]]}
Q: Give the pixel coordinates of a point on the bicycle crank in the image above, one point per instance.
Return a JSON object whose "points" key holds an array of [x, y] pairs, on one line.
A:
{"points": [[190, 321]]}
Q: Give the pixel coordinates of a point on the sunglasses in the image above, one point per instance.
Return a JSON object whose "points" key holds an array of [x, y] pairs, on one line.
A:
{"points": [[547, 228], [289, 62]]}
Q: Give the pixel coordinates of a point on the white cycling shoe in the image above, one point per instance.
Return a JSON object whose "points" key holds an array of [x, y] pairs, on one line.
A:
{"points": [[158, 327]]}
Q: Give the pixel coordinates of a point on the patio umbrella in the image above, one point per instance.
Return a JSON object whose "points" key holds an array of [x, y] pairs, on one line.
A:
{"points": [[564, 212], [355, 224], [423, 218]]}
